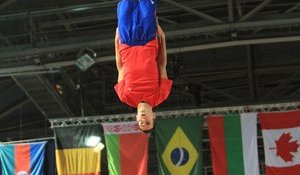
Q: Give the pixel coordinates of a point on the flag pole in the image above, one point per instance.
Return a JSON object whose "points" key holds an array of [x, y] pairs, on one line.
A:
{"points": [[27, 140]]}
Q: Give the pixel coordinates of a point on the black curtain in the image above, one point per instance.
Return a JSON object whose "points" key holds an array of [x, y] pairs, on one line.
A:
{"points": [[49, 164]]}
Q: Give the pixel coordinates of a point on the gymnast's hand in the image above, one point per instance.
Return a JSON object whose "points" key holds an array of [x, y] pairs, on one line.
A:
{"points": [[160, 33], [117, 37]]}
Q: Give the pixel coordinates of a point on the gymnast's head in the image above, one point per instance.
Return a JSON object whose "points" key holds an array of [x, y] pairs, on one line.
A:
{"points": [[145, 117]]}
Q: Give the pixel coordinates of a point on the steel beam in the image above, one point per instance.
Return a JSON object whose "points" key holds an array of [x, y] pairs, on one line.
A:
{"points": [[14, 108], [58, 10], [6, 4], [71, 21], [234, 43], [18, 134], [76, 121], [293, 8], [255, 10], [218, 91], [4, 72], [68, 27], [4, 39], [195, 12], [239, 8], [251, 77], [230, 10], [30, 97], [8, 53], [28, 140], [167, 20], [280, 86], [285, 12]]}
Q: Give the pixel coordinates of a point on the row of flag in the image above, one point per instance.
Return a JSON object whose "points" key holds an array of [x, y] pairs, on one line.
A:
{"points": [[178, 142]]}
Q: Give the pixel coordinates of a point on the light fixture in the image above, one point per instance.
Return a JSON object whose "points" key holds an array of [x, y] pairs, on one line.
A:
{"points": [[93, 141], [59, 89], [85, 59], [99, 147]]}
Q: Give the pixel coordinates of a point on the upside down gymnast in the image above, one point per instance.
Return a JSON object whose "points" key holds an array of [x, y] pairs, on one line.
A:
{"points": [[141, 60]]}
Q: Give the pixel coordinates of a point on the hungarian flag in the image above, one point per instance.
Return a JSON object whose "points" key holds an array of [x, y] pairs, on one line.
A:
{"points": [[178, 145], [78, 150], [281, 135], [23, 159], [233, 143], [127, 148]]}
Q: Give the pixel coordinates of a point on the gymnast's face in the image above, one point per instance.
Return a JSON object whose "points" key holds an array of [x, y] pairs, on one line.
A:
{"points": [[145, 119]]}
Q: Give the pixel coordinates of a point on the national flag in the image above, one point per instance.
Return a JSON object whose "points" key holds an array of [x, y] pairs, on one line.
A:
{"points": [[22, 159], [178, 145], [127, 148], [281, 135], [233, 143], [77, 150]]}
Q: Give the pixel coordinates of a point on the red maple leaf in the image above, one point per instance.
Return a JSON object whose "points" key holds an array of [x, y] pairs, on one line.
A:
{"points": [[285, 147]]}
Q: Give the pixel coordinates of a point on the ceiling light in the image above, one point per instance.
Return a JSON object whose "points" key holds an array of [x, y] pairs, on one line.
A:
{"points": [[93, 141], [85, 59]]}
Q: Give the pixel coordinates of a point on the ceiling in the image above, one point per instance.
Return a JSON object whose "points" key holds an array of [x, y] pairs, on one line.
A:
{"points": [[220, 53]]}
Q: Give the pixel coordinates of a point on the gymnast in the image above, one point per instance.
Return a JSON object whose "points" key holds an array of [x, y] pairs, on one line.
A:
{"points": [[141, 60]]}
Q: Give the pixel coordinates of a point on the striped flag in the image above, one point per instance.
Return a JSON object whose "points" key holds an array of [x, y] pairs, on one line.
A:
{"points": [[127, 148], [22, 159], [77, 150], [281, 135], [233, 143], [178, 145]]}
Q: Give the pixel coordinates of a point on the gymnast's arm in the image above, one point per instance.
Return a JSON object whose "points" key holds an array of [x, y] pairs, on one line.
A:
{"points": [[118, 58], [162, 53]]}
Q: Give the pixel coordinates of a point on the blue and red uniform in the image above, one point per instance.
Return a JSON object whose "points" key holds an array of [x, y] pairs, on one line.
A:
{"points": [[137, 21], [138, 53]]}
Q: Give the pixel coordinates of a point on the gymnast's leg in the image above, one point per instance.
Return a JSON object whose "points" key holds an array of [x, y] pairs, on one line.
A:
{"points": [[137, 21]]}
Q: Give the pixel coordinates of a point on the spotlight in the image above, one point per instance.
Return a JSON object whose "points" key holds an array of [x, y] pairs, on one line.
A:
{"points": [[85, 59], [93, 141]]}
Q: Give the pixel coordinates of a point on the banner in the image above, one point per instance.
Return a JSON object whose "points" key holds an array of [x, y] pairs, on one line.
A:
{"points": [[233, 143], [77, 150], [178, 145], [22, 159], [281, 135], [127, 148]]}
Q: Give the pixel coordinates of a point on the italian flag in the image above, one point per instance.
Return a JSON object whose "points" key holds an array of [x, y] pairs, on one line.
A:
{"points": [[233, 143], [127, 148], [281, 135]]}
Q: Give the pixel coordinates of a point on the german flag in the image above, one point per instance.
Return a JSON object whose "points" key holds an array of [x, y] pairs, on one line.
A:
{"points": [[77, 150]]}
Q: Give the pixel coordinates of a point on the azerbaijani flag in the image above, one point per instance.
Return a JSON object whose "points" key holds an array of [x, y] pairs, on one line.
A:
{"points": [[22, 159], [127, 148], [233, 143]]}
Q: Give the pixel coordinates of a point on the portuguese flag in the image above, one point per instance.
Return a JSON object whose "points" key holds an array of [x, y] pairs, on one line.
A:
{"points": [[74, 155], [178, 145], [233, 143], [127, 148], [27, 158]]}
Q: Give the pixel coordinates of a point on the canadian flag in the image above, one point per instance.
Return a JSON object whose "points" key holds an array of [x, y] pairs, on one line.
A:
{"points": [[281, 135]]}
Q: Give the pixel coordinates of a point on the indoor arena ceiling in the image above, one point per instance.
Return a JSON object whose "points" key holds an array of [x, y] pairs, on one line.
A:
{"points": [[221, 53]]}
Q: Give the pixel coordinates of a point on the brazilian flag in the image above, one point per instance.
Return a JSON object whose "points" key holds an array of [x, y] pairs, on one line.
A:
{"points": [[178, 145]]}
